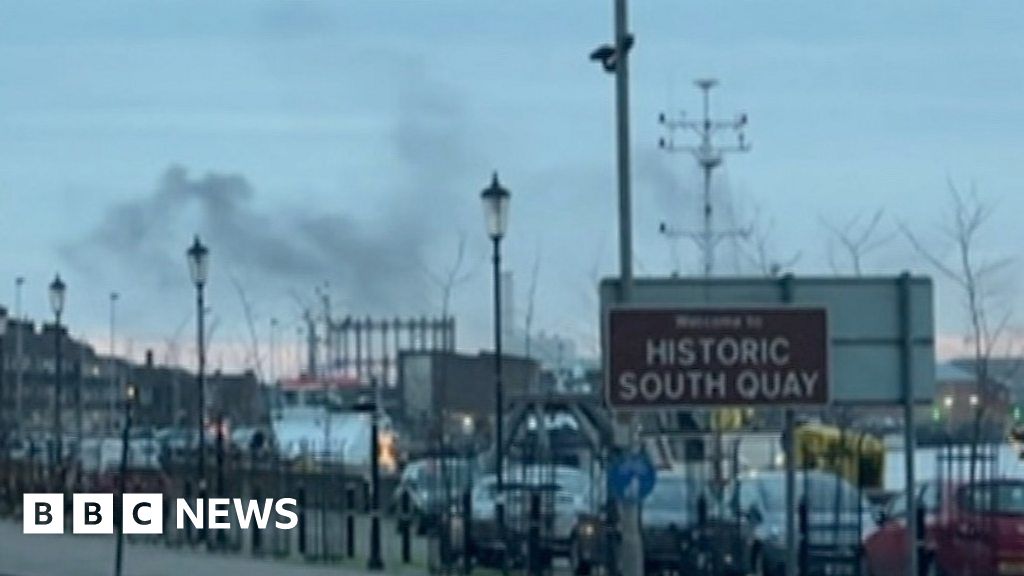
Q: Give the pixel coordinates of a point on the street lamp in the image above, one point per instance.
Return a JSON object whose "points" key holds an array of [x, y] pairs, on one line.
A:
{"points": [[111, 368], [496, 201], [4, 420], [58, 291], [372, 406], [129, 401], [198, 267]]}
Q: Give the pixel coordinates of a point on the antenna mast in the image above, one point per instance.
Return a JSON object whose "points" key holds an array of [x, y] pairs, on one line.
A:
{"points": [[708, 156]]}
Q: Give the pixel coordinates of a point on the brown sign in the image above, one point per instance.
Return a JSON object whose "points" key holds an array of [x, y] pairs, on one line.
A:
{"points": [[716, 356]]}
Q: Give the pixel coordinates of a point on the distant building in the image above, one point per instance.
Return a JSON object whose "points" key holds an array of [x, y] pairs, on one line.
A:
{"points": [[960, 398], [93, 387], [457, 389], [1007, 370]]}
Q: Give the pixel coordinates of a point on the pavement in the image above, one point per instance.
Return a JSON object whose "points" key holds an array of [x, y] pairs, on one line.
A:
{"points": [[78, 555]]}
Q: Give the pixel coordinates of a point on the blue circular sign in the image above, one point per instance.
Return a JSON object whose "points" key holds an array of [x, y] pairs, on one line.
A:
{"points": [[631, 477]]}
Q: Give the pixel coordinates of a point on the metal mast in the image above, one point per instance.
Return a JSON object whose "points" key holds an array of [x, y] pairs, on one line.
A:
{"points": [[708, 156]]}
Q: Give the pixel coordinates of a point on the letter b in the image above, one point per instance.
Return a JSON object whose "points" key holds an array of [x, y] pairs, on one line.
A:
{"points": [[92, 514], [43, 514]]}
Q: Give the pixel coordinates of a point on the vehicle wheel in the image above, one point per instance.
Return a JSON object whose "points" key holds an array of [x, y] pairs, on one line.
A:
{"points": [[757, 566], [579, 566]]}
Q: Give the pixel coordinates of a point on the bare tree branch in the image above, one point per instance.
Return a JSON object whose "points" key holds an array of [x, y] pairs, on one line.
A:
{"points": [[857, 239]]}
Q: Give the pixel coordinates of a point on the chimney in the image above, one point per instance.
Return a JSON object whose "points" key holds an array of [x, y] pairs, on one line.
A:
{"points": [[149, 357]]}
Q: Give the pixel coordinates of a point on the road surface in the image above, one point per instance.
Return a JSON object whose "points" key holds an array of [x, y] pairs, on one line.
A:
{"points": [[78, 555]]}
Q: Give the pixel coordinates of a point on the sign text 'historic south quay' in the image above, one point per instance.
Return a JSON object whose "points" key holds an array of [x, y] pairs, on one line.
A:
{"points": [[715, 356]]}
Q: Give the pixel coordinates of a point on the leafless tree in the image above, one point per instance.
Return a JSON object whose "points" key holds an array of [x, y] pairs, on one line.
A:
{"points": [[531, 298], [452, 276], [252, 354], [858, 237], [974, 276], [756, 249]]}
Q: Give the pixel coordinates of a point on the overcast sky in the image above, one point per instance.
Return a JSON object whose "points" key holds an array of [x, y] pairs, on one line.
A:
{"points": [[348, 142]]}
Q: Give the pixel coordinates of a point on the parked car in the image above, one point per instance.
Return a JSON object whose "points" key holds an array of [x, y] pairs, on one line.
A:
{"points": [[674, 537], [564, 494], [432, 485], [969, 529], [837, 517], [885, 548]]}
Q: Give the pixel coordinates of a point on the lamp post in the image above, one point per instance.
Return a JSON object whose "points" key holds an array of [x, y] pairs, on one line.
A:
{"points": [[198, 267], [375, 561], [129, 400], [221, 491], [18, 338], [114, 393], [5, 428], [57, 294], [496, 201]]}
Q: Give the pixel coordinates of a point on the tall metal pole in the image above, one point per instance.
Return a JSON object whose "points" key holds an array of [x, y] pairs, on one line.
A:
{"points": [[615, 59], [632, 548], [125, 435], [499, 406], [622, 42], [79, 428], [19, 370], [631, 558], [909, 427], [789, 448], [375, 561], [221, 492], [273, 367], [201, 385], [111, 368], [5, 420], [58, 432], [499, 400]]}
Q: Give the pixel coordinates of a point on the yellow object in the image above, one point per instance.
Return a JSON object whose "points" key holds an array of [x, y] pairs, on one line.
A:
{"points": [[856, 456], [726, 419]]}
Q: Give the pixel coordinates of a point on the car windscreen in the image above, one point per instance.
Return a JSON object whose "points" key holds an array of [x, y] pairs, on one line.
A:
{"points": [[669, 494], [1001, 498]]}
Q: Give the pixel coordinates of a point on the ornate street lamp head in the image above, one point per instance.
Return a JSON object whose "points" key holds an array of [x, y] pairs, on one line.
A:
{"points": [[57, 294], [198, 262], [496, 201]]}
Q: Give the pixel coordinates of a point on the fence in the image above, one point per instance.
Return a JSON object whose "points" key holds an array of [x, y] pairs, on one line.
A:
{"points": [[334, 516]]}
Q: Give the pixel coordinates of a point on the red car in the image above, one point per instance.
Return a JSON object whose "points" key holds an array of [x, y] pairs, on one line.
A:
{"points": [[970, 530]]}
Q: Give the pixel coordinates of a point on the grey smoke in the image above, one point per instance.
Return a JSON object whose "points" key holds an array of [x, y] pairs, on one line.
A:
{"points": [[370, 263], [374, 265]]}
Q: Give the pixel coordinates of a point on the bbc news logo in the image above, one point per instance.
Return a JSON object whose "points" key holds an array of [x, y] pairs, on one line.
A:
{"points": [[144, 513]]}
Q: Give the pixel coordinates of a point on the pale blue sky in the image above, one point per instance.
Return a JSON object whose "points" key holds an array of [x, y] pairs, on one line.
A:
{"points": [[365, 130]]}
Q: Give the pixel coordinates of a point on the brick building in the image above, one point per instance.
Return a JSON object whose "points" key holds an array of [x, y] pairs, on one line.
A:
{"points": [[93, 386]]}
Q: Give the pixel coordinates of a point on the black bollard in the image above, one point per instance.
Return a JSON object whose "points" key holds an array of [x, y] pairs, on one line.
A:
{"points": [[350, 522], [535, 562], [301, 501], [922, 550], [467, 529], [803, 527], [405, 528], [257, 533], [189, 536], [702, 511]]}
